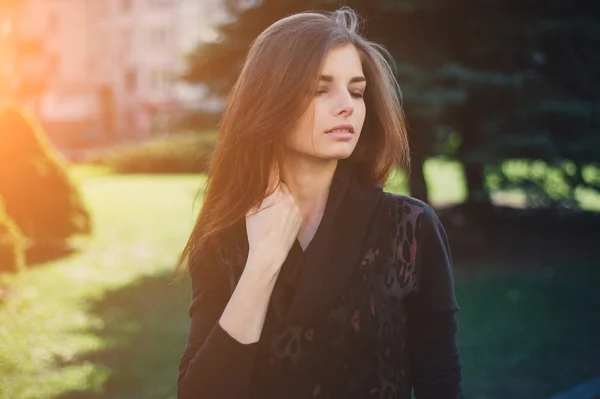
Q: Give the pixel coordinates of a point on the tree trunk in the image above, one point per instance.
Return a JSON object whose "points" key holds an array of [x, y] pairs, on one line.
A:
{"points": [[475, 180], [416, 182], [478, 198]]}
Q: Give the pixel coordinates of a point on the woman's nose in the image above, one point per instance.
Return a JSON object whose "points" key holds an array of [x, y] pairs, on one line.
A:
{"points": [[345, 105]]}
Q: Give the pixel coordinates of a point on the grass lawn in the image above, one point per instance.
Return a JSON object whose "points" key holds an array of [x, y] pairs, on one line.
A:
{"points": [[105, 322], [532, 335]]}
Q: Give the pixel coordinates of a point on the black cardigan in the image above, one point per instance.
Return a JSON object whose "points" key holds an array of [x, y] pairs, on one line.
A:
{"points": [[385, 327]]}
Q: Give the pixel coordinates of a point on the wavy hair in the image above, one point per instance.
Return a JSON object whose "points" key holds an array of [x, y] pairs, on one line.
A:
{"points": [[273, 90]]}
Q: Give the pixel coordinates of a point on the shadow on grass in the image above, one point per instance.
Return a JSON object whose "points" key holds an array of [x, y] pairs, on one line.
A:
{"points": [[530, 336], [144, 329], [519, 239], [521, 336]]}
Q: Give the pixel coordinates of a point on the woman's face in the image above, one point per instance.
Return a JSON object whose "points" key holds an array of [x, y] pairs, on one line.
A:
{"points": [[331, 126]]}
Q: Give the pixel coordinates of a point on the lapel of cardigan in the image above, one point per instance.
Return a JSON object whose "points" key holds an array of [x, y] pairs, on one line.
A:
{"points": [[336, 249]]}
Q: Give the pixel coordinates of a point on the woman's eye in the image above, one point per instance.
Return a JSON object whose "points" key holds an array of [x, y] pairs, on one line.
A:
{"points": [[356, 94]]}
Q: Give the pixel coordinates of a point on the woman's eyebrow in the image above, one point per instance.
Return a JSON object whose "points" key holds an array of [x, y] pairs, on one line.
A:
{"points": [[356, 79]]}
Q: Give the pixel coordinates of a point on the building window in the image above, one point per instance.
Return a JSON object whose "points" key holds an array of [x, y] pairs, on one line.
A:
{"points": [[126, 5], [53, 23], [159, 37], [5, 28], [92, 64], [101, 10], [126, 40], [160, 80], [166, 79], [155, 80], [161, 3], [130, 80], [54, 64]]}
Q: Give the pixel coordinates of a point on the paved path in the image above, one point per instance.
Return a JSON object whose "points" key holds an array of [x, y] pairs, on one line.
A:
{"points": [[587, 390]]}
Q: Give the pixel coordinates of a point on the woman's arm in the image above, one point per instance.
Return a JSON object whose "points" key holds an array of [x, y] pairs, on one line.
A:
{"points": [[434, 355], [224, 333], [219, 357]]}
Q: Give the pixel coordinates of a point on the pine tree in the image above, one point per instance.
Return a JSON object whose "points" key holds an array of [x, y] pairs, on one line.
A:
{"points": [[510, 80]]}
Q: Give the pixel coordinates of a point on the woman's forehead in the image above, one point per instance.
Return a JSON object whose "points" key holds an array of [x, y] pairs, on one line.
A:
{"points": [[343, 62]]}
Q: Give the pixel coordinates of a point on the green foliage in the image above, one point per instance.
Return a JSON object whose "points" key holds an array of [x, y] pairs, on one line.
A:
{"points": [[183, 153], [484, 85], [12, 244], [534, 127], [197, 120], [543, 185], [37, 191]]}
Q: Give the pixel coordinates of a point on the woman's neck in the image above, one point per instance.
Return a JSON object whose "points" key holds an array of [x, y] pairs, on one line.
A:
{"points": [[308, 181]]}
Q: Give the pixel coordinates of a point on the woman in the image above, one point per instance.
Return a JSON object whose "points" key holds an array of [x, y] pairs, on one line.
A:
{"points": [[310, 281]]}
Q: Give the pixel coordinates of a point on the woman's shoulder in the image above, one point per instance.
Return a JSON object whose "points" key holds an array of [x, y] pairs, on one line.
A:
{"points": [[407, 205], [427, 244], [417, 215]]}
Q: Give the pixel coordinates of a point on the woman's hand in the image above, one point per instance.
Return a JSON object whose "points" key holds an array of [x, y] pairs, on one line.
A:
{"points": [[273, 226]]}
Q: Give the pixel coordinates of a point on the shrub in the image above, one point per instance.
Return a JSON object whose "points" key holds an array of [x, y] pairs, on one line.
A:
{"points": [[185, 153], [37, 191], [12, 244], [196, 119]]}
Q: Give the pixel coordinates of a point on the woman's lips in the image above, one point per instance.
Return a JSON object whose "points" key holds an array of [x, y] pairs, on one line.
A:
{"points": [[338, 135]]}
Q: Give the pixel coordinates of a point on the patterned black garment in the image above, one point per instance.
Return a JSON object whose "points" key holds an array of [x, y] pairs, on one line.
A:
{"points": [[366, 311]]}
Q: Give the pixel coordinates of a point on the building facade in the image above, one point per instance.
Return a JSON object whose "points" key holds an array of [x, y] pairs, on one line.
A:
{"points": [[111, 65]]}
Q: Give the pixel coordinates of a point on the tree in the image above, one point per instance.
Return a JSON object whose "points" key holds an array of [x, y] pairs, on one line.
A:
{"points": [[492, 73], [37, 191]]}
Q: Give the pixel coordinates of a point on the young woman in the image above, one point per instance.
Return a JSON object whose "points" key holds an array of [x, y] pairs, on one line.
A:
{"points": [[310, 281]]}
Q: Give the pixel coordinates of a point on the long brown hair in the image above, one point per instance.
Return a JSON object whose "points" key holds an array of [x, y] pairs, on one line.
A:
{"points": [[274, 88]]}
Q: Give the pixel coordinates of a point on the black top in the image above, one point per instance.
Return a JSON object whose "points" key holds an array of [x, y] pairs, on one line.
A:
{"points": [[367, 311]]}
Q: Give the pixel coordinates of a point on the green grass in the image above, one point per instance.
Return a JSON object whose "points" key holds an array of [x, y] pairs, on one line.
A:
{"points": [[105, 322], [445, 182], [84, 172], [529, 335]]}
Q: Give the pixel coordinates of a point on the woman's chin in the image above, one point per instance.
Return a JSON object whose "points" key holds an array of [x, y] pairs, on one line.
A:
{"points": [[329, 154], [341, 152]]}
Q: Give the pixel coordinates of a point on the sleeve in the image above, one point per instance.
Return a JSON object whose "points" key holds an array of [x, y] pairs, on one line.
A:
{"points": [[435, 366], [213, 365]]}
